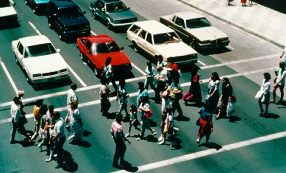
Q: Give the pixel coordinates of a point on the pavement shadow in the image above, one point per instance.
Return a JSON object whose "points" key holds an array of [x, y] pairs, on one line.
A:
{"points": [[153, 123], [6, 26], [110, 115], [150, 138], [270, 115], [175, 143], [129, 168], [211, 145], [52, 85], [182, 118], [67, 163], [221, 50], [233, 118], [81, 143], [86, 133]]}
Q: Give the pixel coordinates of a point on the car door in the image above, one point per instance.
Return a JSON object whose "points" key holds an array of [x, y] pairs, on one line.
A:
{"points": [[141, 42], [179, 27], [99, 9], [148, 44], [19, 52]]}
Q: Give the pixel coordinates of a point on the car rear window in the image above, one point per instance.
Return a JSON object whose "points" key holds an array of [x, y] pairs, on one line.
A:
{"points": [[104, 47], [198, 23], [165, 38], [39, 50]]}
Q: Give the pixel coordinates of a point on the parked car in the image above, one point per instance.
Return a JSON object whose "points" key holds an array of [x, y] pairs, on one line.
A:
{"points": [[39, 59], [113, 12], [195, 30], [67, 19], [8, 14], [158, 40], [96, 49], [38, 6]]}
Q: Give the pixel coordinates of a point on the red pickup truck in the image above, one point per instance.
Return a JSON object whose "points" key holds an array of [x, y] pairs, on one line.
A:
{"points": [[95, 49]]}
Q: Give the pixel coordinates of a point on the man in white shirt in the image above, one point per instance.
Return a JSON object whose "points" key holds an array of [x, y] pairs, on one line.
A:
{"points": [[71, 95], [280, 82], [16, 118], [283, 56]]}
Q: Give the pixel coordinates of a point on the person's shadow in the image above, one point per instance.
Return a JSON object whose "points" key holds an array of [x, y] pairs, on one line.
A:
{"points": [[128, 167], [211, 145], [67, 163]]}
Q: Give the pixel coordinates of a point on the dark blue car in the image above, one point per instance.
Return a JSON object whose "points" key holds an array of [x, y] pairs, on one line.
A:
{"points": [[38, 6]]}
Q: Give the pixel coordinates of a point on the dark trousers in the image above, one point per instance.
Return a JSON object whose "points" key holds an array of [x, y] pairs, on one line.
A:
{"points": [[18, 127], [105, 105], [119, 151], [176, 106], [59, 144]]}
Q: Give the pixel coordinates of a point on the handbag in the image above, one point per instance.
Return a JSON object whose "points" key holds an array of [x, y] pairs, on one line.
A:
{"points": [[259, 94], [23, 120]]}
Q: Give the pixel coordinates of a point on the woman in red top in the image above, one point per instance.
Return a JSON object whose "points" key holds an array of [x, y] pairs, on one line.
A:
{"points": [[206, 125], [194, 93]]}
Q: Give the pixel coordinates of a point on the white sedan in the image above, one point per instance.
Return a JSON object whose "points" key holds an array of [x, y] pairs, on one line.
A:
{"points": [[39, 59], [196, 30]]}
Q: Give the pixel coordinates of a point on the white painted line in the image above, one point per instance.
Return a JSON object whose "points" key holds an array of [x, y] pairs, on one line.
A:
{"points": [[33, 26], [241, 61], [138, 69], [9, 76], [208, 152], [93, 33], [201, 63], [229, 47]]}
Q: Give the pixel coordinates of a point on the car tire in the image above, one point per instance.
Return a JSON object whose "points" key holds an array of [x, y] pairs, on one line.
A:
{"points": [[34, 11], [17, 62], [50, 25], [26, 2], [108, 25], [61, 37], [83, 58]]}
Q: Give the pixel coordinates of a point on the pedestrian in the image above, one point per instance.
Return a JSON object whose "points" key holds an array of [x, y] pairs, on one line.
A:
{"points": [[226, 94], [108, 74], [166, 100], [206, 125], [279, 83], [161, 63], [161, 80], [58, 138], [212, 93], [75, 124], [71, 95], [104, 94], [176, 94], [150, 74], [167, 125], [49, 127], [194, 92], [142, 93], [37, 119], [119, 140], [42, 130], [146, 114], [228, 2], [17, 123], [122, 97], [283, 56], [21, 94], [133, 120], [265, 98], [174, 72]]}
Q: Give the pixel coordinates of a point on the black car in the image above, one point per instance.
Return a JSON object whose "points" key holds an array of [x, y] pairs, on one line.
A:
{"points": [[67, 19], [38, 6], [114, 13]]}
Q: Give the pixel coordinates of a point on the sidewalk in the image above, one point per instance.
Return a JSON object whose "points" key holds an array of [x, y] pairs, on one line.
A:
{"points": [[256, 19]]}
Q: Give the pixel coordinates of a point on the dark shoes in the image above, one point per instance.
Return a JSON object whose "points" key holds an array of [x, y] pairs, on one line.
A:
{"points": [[12, 142]]}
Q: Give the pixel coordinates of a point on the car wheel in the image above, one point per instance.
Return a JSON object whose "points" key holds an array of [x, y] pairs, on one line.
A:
{"points": [[26, 2], [34, 11], [16, 60], [50, 25], [83, 58], [61, 37], [108, 25]]}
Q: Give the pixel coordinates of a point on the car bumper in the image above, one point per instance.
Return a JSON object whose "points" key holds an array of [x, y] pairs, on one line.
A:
{"points": [[187, 59], [121, 25], [44, 79], [213, 44], [75, 34]]}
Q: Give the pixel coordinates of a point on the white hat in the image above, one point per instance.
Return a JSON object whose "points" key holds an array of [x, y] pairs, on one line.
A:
{"points": [[21, 92]]}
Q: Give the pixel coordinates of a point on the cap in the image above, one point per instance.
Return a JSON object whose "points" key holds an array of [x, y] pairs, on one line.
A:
{"points": [[21, 92]]}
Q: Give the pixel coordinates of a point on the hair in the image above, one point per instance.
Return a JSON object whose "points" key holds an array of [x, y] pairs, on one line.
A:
{"points": [[108, 61], [215, 76], [74, 105], [226, 80], [51, 107], [43, 109], [73, 86], [16, 100], [133, 108], [39, 102], [140, 84], [282, 65], [57, 115], [118, 118], [121, 82], [267, 76], [149, 63]]}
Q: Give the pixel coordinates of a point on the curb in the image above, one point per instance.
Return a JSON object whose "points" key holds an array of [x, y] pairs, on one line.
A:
{"points": [[234, 24]]}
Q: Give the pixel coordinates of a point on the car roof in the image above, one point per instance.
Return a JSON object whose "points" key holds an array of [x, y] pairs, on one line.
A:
{"points": [[34, 40], [63, 3], [110, 1], [100, 38], [153, 26], [188, 15]]}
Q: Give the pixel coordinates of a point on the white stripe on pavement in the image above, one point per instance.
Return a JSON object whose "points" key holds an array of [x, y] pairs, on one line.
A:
{"points": [[138, 69], [33, 26], [204, 64], [9, 76], [241, 61], [208, 152]]}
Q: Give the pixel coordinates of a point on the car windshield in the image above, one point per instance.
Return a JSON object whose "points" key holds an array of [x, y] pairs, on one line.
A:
{"points": [[40, 50], [70, 12], [104, 47], [163, 38], [116, 7], [198, 23], [4, 3]]}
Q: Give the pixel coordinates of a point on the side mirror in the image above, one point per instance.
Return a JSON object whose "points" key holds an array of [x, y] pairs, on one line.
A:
{"points": [[58, 50]]}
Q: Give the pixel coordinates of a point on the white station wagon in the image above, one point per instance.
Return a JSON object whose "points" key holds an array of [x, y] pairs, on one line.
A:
{"points": [[158, 40], [39, 59], [195, 30]]}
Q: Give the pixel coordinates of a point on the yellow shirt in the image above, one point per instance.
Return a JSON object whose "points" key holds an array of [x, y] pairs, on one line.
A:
{"points": [[36, 112]]}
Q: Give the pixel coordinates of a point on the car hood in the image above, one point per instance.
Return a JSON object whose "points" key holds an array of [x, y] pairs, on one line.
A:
{"points": [[174, 49], [207, 33], [42, 1], [7, 11], [117, 59], [44, 64], [69, 21], [121, 15]]}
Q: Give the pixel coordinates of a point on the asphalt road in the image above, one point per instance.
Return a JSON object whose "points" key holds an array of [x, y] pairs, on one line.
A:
{"points": [[244, 61]]}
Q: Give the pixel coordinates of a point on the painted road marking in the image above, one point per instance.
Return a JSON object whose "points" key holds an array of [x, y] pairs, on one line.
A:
{"points": [[208, 152], [204, 64], [9, 76], [138, 69], [241, 61], [91, 103], [93, 33], [69, 67]]}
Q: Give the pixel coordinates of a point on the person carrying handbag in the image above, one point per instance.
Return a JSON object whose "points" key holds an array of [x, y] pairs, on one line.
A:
{"points": [[265, 98]]}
